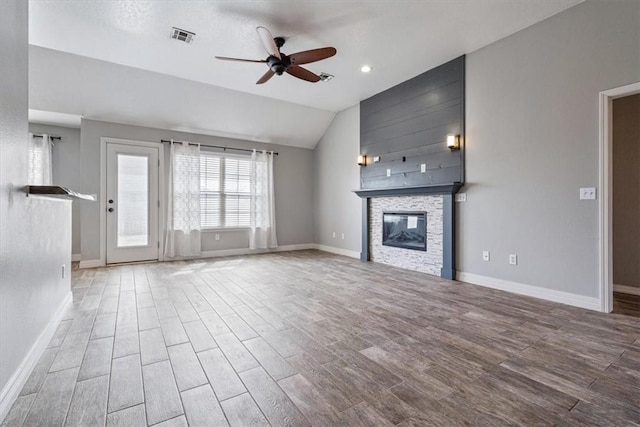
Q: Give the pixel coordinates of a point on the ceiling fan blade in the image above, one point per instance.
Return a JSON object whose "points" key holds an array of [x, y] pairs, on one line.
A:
{"points": [[313, 55], [267, 42], [265, 78], [226, 58], [303, 74]]}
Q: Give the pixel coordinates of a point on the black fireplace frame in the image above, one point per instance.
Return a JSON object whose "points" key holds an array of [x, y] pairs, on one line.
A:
{"points": [[423, 248]]}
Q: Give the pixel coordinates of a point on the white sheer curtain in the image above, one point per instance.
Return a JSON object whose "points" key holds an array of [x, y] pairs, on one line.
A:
{"points": [[263, 207], [40, 169], [183, 213]]}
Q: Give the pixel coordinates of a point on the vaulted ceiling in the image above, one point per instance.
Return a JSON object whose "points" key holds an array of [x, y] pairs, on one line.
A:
{"points": [[114, 60]]}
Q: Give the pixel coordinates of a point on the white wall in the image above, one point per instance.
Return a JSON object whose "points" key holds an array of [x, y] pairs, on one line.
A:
{"points": [[35, 233], [293, 174], [337, 208], [66, 169], [532, 142]]}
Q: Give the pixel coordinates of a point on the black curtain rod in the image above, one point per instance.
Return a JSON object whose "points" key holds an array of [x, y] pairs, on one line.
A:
{"points": [[216, 146], [52, 137]]}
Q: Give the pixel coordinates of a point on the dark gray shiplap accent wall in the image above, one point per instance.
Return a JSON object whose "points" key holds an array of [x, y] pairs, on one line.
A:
{"points": [[412, 121]]}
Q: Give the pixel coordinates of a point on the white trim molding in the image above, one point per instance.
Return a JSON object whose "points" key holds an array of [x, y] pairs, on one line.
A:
{"points": [[247, 251], [605, 203], [91, 263], [11, 390], [624, 289], [102, 197], [337, 251], [590, 303]]}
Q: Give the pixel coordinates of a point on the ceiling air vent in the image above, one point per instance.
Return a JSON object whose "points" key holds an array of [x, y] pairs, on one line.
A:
{"points": [[325, 77], [182, 35]]}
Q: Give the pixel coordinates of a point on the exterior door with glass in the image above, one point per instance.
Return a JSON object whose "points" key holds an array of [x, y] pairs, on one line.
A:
{"points": [[132, 203]]}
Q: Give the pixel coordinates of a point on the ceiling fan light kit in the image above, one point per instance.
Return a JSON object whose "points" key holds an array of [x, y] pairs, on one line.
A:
{"points": [[280, 63]]}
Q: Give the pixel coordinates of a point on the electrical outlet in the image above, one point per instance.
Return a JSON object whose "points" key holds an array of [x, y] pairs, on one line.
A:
{"points": [[513, 259], [64, 273], [388, 172], [333, 234], [588, 193], [461, 197], [485, 255], [217, 236], [423, 168], [342, 236]]}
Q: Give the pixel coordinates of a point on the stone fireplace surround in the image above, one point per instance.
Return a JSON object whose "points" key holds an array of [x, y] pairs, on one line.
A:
{"points": [[429, 261], [437, 201]]}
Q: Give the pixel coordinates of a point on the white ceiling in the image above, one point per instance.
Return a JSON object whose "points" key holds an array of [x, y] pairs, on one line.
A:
{"points": [[398, 39]]}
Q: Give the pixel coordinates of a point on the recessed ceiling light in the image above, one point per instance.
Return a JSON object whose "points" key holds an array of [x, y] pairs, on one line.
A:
{"points": [[365, 69]]}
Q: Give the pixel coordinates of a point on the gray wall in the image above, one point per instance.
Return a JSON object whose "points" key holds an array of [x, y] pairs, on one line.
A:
{"points": [[626, 191], [66, 168], [407, 126], [293, 173], [532, 142], [336, 175], [35, 233]]}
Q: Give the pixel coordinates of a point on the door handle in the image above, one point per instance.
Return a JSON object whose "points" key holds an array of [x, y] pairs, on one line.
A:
{"points": [[110, 209]]}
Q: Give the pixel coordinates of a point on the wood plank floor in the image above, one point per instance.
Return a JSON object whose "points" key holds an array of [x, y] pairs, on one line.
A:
{"points": [[626, 304], [309, 338]]}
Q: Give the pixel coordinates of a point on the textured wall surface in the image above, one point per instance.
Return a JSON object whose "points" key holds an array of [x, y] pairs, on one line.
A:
{"points": [[336, 175], [35, 233], [532, 143], [426, 262], [293, 176]]}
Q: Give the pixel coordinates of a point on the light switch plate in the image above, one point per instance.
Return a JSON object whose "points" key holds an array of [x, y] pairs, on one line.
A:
{"points": [[423, 168], [388, 172], [461, 197], [485, 255], [588, 193], [513, 259]]}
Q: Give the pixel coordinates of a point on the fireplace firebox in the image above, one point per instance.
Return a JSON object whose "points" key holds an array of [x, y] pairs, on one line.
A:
{"points": [[405, 230]]}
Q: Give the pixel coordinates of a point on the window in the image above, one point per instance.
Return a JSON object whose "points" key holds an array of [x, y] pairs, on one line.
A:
{"points": [[225, 191]]}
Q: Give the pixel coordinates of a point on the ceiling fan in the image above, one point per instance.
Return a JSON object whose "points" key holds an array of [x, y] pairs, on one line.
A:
{"points": [[280, 63]]}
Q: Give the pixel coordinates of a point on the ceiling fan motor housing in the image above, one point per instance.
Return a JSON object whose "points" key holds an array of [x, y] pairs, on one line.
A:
{"points": [[279, 66]]}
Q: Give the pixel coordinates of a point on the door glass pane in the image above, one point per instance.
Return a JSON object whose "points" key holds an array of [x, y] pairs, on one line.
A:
{"points": [[132, 204]]}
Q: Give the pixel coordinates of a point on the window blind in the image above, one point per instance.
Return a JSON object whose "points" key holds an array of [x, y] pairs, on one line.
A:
{"points": [[225, 190]]}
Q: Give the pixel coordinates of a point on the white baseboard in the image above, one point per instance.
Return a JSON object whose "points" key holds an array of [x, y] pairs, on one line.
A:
{"points": [[11, 390], [581, 301], [626, 289], [91, 263], [337, 251], [247, 251], [76, 257]]}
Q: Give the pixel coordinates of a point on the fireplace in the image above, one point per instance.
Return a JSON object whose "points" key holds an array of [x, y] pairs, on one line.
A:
{"points": [[404, 230]]}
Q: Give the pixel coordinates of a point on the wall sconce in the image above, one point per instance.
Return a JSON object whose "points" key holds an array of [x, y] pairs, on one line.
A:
{"points": [[453, 142], [362, 160]]}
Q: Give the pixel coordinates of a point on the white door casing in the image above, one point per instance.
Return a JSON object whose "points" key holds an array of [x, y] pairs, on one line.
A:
{"points": [[605, 204]]}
